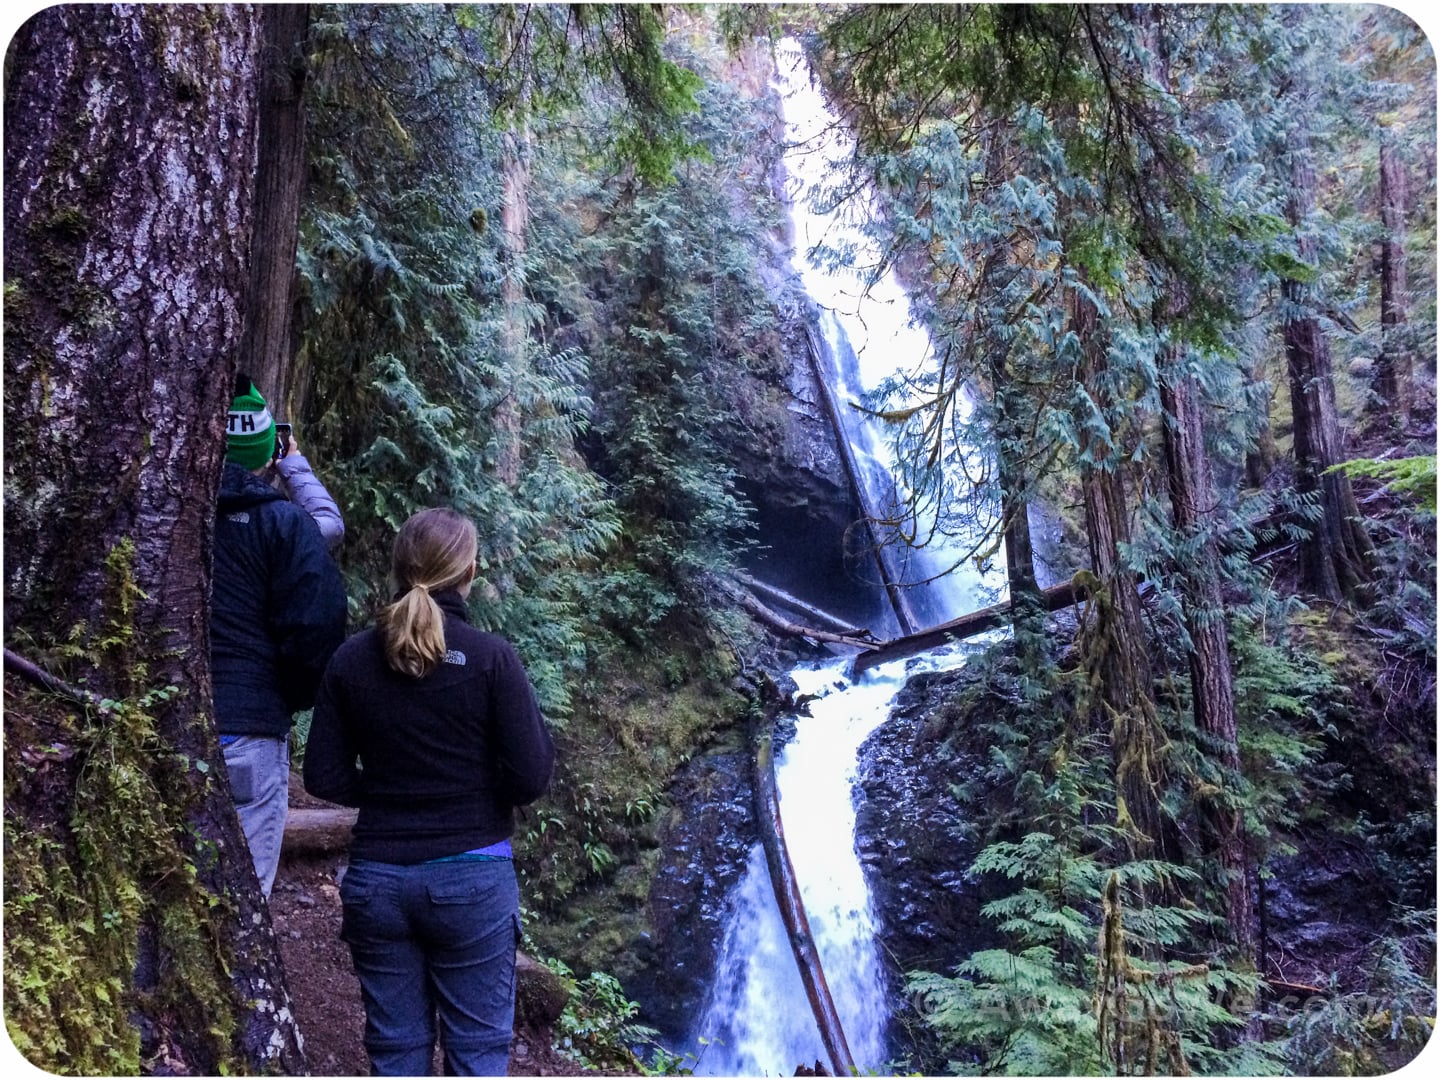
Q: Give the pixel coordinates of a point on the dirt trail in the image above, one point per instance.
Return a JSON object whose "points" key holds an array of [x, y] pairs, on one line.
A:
{"points": [[305, 909]]}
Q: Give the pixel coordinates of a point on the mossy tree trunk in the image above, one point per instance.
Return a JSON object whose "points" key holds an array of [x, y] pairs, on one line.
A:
{"points": [[129, 167], [1115, 633], [1193, 505], [1392, 373]]}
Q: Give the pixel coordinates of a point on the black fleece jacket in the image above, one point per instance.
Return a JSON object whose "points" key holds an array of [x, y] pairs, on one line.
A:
{"points": [[443, 760], [277, 611]]}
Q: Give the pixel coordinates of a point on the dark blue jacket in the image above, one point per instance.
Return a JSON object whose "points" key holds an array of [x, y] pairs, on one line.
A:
{"points": [[443, 760], [277, 610]]}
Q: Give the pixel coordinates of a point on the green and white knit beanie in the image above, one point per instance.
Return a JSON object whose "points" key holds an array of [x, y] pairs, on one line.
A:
{"points": [[249, 428]]}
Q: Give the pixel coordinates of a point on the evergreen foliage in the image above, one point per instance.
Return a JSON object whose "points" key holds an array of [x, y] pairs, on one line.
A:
{"points": [[1134, 159], [666, 300], [579, 366], [402, 335]]}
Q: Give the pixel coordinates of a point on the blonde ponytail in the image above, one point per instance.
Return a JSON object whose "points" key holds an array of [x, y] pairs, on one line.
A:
{"points": [[434, 551], [414, 631]]}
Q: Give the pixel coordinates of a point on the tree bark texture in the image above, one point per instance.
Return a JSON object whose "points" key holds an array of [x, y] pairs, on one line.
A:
{"points": [[1392, 372], [1115, 635], [1335, 560], [129, 159], [265, 345], [1193, 504], [318, 831]]}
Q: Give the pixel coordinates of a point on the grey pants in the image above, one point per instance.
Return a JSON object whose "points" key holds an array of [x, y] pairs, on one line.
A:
{"points": [[259, 770]]}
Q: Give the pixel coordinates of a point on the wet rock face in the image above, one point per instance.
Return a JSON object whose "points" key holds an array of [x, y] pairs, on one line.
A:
{"points": [[706, 841], [806, 515], [914, 845]]}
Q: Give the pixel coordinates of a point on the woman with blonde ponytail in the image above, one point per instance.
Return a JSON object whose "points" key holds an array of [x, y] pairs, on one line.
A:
{"points": [[430, 727]]}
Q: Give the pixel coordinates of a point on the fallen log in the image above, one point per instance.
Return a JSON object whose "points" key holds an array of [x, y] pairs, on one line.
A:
{"points": [[977, 622], [898, 597], [321, 831], [782, 625], [772, 594], [792, 908]]}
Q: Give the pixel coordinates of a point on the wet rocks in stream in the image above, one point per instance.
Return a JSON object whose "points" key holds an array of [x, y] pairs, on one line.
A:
{"points": [[914, 844], [707, 841]]}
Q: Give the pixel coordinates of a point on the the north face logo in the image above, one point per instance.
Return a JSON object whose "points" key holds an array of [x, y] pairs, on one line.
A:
{"points": [[240, 517], [453, 656]]}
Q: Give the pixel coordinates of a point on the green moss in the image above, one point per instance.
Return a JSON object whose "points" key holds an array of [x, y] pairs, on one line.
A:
{"points": [[593, 842], [98, 861], [68, 223]]}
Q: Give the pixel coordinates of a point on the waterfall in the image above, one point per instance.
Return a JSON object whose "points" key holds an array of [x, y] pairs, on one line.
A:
{"points": [[866, 329], [758, 1016], [757, 1019]]}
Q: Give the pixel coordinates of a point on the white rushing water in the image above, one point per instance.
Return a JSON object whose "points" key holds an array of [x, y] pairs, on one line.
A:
{"points": [[757, 1020], [868, 333], [759, 1016]]}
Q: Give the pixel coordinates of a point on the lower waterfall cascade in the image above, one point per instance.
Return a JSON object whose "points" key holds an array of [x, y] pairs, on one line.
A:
{"points": [[756, 1020]]}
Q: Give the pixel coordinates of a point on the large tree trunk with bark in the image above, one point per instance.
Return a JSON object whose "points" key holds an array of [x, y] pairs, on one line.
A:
{"points": [[1027, 614], [129, 158], [1392, 373], [1335, 560], [1193, 505], [265, 346], [1114, 629]]}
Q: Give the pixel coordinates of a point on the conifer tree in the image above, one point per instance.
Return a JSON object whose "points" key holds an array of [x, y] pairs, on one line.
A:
{"points": [[136, 937]]}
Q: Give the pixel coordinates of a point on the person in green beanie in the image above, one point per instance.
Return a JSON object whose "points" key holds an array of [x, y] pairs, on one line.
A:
{"points": [[251, 442], [277, 613]]}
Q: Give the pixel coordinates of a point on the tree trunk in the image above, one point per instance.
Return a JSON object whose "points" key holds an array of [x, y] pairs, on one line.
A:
{"points": [[1335, 560], [1393, 369], [1260, 459], [1194, 506], [1026, 612], [966, 626], [882, 552], [1193, 503], [1115, 641], [792, 910], [129, 158], [279, 181], [318, 831]]}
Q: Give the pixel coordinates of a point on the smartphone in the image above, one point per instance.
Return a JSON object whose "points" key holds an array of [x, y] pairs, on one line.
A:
{"points": [[282, 440]]}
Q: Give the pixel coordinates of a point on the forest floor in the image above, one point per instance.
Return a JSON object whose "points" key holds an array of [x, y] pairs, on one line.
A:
{"points": [[305, 910]]}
